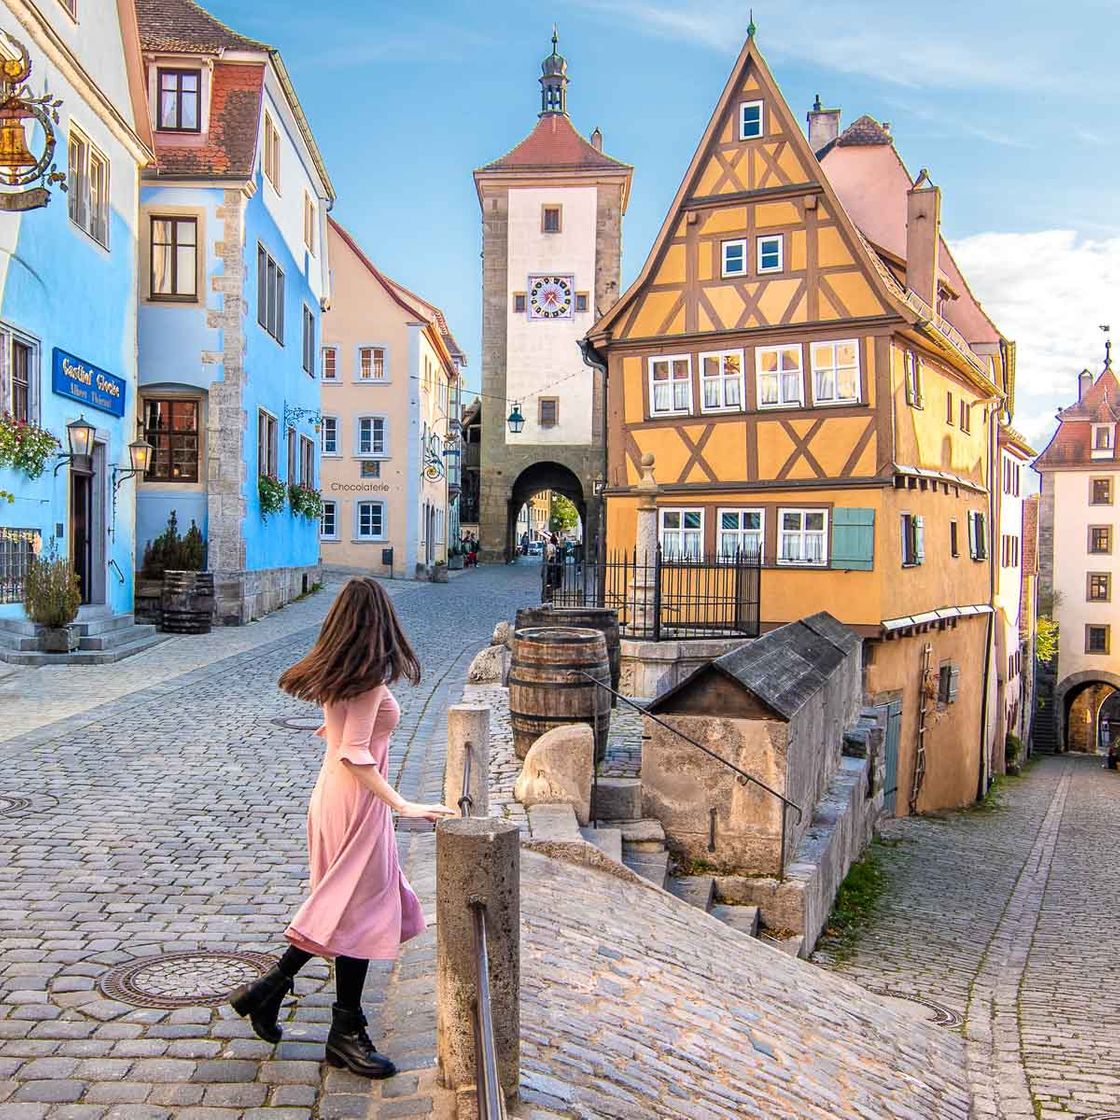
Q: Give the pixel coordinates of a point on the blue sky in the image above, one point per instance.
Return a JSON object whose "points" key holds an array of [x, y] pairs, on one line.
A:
{"points": [[1007, 103]]}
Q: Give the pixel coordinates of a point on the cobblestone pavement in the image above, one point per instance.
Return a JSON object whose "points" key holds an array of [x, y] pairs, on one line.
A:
{"points": [[156, 807], [1007, 917]]}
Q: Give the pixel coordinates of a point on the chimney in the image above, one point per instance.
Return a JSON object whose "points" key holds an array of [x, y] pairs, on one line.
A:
{"points": [[923, 238], [824, 126], [597, 140], [1084, 383]]}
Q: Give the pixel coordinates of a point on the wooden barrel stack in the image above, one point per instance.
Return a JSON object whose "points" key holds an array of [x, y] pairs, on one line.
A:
{"points": [[187, 602], [547, 688], [602, 619]]}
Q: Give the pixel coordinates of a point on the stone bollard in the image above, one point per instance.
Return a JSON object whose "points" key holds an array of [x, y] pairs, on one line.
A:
{"points": [[477, 858], [645, 549], [468, 723]]}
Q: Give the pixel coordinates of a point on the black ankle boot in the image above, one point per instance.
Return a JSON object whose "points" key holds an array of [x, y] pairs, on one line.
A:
{"points": [[261, 1001], [348, 1046]]}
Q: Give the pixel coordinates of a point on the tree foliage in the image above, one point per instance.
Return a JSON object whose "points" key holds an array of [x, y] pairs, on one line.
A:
{"points": [[1046, 640], [564, 516]]}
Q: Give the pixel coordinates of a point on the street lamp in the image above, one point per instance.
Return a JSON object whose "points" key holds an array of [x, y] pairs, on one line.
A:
{"points": [[139, 459], [79, 438], [515, 420]]}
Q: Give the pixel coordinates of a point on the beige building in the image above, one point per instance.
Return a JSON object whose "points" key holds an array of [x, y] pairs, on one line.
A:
{"points": [[390, 427]]}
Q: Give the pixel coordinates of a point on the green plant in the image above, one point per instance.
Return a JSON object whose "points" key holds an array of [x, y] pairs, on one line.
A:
{"points": [[855, 903], [1046, 640], [170, 552], [25, 447], [51, 592], [305, 501], [1013, 748], [271, 492], [563, 516]]}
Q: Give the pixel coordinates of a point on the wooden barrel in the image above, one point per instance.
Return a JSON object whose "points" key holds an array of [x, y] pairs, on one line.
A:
{"points": [[187, 602], [547, 688], [602, 619]]}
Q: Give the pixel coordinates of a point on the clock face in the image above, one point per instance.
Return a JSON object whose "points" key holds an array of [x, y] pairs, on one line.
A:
{"points": [[550, 297]]}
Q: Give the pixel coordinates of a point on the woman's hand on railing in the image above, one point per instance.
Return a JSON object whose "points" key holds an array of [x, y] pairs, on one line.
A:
{"points": [[417, 809]]}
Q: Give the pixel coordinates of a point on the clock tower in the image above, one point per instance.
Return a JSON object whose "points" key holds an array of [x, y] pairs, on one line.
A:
{"points": [[552, 252]]}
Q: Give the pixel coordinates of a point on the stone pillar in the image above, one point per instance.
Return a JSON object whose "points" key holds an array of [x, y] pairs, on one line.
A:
{"points": [[477, 859], [468, 725], [645, 545]]}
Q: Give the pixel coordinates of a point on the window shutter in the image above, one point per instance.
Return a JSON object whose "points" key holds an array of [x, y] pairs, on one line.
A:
{"points": [[972, 543], [954, 683], [853, 539], [919, 540]]}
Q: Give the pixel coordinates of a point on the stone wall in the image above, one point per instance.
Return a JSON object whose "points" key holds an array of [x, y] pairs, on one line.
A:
{"points": [[651, 668], [242, 596]]}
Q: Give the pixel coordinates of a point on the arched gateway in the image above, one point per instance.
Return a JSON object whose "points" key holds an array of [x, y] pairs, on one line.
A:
{"points": [[541, 477], [1081, 699]]}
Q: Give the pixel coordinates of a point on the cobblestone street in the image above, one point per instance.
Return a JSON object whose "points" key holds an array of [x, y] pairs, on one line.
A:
{"points": [[1006, 919], [157, 807]]}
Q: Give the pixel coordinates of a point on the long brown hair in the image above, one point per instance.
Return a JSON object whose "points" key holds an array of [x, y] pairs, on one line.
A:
{"points": [[360, 646]]}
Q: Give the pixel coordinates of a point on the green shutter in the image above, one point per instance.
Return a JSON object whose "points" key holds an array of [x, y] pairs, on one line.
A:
{"points": [[853, 539], [972, 550]]}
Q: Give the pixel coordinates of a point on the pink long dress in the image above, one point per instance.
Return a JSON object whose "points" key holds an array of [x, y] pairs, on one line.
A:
{"points": [[361, 904]]}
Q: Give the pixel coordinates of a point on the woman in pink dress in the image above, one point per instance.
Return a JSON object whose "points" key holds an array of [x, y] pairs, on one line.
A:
{"points": [[361, 907]]}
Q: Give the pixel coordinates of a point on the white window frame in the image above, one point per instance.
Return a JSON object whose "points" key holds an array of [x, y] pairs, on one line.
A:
{"points": [[8, 337], [323, 351], [740, 243], [270, 152], [744, 106], [310, 222], [373, 379], [336, 451], [89, 197], [671, 383], [802, 513], [384, 452], [358, 534], [759, 245], [740, 532], [331, 505], [1107, 452], [721, 380], [759, 373], [272, 451], [684, 552], [835, 369]]}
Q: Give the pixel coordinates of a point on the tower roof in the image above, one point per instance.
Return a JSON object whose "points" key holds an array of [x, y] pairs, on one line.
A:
{"points": [[555, 145], [1071, 445]]}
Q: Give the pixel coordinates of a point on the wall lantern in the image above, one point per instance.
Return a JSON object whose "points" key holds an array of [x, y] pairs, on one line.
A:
{"points": [[79, 438], [139, 459], [515, 420]]}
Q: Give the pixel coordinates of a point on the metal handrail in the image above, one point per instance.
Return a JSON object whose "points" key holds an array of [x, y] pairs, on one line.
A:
{"points": [[488, 1088]]}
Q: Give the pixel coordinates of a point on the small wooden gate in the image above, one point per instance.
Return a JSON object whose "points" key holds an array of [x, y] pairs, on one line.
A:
{"points": [[893, 709]]}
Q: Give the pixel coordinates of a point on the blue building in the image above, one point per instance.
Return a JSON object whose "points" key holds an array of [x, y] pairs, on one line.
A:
{"points": [[68, 306], [233, 279]]}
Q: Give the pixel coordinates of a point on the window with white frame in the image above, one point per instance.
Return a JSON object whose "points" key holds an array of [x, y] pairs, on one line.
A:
{"points": [[88, 182], [778, 375], [835, 372], [309, 222], [371, 363], [330, 363], [750, 120], [369, 521], [740, 532], [670, 385], [735, 257], [328, 521], [721, 381], [328, 435], [770, 253], [371, 435], [802, 536], [681, 533], [270, 159], [1104, 441], [19, 376], [174, 258]]}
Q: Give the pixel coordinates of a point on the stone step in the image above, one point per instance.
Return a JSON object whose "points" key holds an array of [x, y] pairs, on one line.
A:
{"points": [[553, 822], [617, 799], [607, 840], [639, 836], [789, 945], [83, 656], [742, 918], [696, 890], [103, 624], [653, 866], [117, 638]]}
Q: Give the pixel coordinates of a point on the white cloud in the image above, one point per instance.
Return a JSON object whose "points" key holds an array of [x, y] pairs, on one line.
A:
{"points": [[1049, 291]]}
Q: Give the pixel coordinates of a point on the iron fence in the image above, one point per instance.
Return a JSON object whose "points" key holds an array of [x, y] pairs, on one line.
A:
{"points": [[18, 547], [662, 597]]}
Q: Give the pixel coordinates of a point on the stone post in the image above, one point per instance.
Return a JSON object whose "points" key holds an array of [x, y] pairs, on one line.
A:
{"points": [[477, 859], [468, 724], [646, 549]]}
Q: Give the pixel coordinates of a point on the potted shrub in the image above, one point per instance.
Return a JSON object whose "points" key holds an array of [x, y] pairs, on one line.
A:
{"points": [[173, 590], [272, 493], [305, 501], [51, 598], [439, 572]]}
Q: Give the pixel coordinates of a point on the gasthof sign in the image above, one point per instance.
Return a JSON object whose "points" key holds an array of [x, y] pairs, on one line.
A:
{"points": [[82, 381]]}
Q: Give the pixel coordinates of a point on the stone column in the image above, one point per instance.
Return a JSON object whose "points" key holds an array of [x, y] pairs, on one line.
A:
{"points": [[477, 860], [646, 548], [468, 725]]}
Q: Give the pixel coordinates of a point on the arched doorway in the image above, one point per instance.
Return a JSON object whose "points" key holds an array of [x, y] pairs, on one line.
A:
{"points": [[541, 478], [1084, 700]]}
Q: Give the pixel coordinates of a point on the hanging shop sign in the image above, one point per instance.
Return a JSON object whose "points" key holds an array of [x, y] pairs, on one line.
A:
{"points": [[433, 464], [27, 168], [81, 381]]}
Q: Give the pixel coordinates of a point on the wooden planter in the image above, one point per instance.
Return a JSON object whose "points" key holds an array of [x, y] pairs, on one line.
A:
{"points": [[187, 602], [148, 601], [439, 573]]}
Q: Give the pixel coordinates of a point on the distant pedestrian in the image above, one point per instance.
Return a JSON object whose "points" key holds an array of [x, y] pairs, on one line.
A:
{"points": [[361, 907]]}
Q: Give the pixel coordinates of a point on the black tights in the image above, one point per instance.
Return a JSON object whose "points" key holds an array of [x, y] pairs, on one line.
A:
{"points": [[349, 975]]}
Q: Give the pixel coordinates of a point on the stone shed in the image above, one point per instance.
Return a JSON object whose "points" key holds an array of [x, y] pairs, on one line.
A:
{"points": [[776, 707]]}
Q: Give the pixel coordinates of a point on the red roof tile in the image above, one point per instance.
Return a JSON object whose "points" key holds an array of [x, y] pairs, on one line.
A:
{"points": [[1072, 442], [182, 27], [554, 144]]}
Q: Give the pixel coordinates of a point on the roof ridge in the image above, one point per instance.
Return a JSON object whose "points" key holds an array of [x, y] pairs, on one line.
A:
{"points": [[161, 18]]}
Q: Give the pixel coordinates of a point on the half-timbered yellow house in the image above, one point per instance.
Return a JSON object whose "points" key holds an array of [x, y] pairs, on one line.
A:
{"points": [[828, 395]]}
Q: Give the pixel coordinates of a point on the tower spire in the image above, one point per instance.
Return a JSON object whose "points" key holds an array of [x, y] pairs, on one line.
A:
{"points": [[554, 79]]}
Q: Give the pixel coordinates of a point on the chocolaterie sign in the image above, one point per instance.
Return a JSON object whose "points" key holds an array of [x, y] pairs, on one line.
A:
{"points": [[84, 382]]}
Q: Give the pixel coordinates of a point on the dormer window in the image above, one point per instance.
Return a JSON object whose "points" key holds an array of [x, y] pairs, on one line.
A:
{"points": [[180, 101], [1104, 441], [750, 120]]}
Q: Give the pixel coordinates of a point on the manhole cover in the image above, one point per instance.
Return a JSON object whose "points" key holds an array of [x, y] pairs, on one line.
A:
{"points": [[183, 979], [12, 804], [299, 723], [942, 1016]]}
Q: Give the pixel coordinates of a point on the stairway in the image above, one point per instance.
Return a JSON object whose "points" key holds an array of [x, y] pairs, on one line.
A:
{"points": [[103, 638]]}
